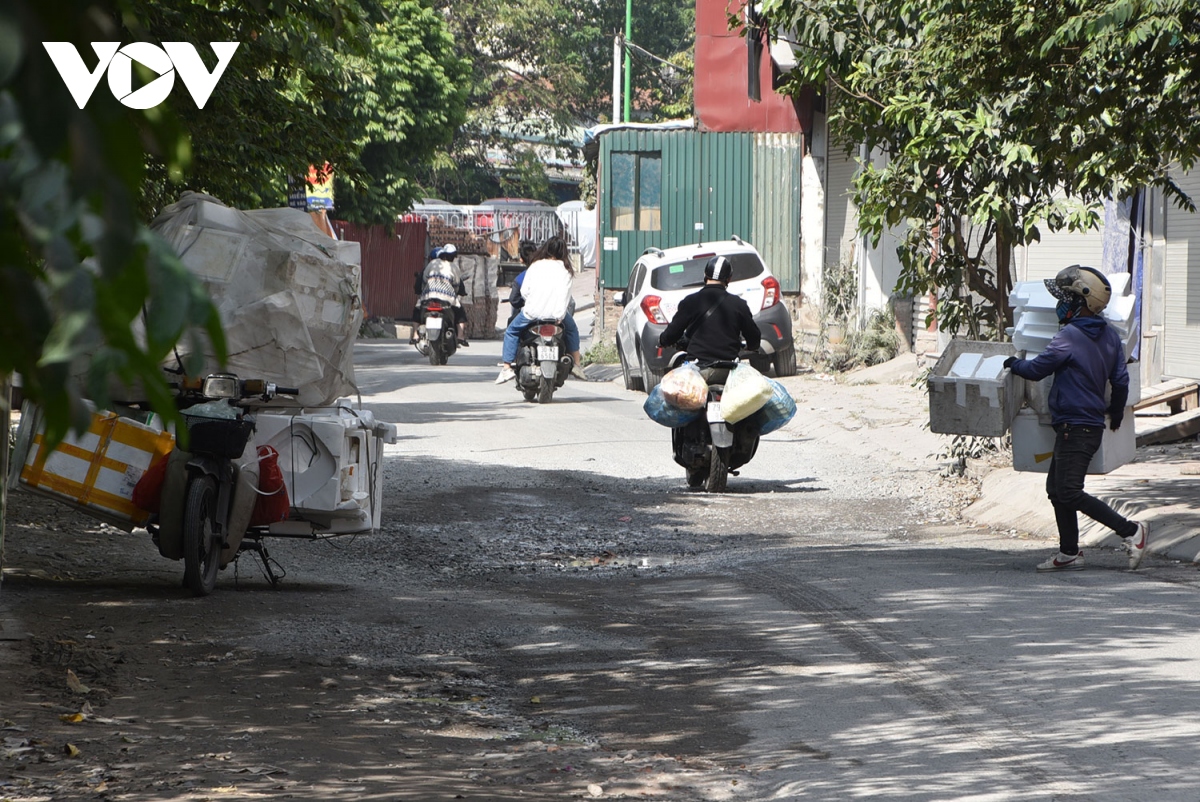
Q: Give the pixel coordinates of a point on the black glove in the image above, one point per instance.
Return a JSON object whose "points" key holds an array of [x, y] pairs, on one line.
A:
{"points": [[1012, 360], [1115, 416]]}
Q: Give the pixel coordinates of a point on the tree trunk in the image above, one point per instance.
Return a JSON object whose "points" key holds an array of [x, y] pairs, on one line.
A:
{"points": [[6, 416]]}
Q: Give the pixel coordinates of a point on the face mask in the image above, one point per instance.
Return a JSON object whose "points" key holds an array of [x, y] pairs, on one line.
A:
{"points": [[1066, 310]]}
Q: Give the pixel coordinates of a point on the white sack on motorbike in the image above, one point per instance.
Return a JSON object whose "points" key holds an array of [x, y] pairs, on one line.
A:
{"points": [[746, 391], [684, 387]]}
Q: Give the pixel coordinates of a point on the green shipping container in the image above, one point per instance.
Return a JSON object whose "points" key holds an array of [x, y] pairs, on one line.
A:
{"points": [[659, 186]]}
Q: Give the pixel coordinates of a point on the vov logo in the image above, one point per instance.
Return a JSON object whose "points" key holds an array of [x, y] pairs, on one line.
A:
{"points": [[165, 61]]}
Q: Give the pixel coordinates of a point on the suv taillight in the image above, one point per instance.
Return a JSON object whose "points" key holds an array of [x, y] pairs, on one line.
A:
{"points": [[650, 306], [770, 292]]}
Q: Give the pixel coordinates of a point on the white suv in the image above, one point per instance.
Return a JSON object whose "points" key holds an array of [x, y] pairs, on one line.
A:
{"points": [[660, 279]]}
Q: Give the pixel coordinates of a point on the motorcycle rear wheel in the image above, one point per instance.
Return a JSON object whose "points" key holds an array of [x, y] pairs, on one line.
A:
{"points": [[696, 477], [718, 471], [546, 391], [201, 551], [436, 356]]}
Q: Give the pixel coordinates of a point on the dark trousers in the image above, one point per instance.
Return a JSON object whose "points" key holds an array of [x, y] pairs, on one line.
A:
{"points": [[1074, 447]]}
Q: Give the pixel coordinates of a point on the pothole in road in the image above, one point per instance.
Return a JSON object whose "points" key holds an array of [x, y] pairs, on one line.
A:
{"points": [[608, 559]]}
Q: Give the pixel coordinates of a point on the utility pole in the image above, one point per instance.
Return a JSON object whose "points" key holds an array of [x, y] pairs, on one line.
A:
{"points": [[618, 46], [628, 62]]}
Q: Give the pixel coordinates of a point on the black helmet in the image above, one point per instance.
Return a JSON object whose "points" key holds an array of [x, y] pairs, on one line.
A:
{"points": [[719, 269]]}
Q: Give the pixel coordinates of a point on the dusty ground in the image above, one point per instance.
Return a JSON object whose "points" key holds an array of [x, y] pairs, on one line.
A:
{"points": [[372, 673]]}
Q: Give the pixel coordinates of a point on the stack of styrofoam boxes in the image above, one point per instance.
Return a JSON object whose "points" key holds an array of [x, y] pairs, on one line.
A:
{"points": [[1035, 324], [970, 390], [332, 463]]}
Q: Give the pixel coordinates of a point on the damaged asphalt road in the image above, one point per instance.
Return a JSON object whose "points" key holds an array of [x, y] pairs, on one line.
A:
{"points": [[549, 614]]}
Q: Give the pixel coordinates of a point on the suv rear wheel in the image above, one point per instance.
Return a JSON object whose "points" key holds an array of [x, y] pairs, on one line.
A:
{"points": [[785, 361], [632, 382], [650, 378]]}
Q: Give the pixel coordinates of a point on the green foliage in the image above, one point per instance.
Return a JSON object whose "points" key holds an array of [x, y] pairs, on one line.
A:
{"points": [[602, 352], [79, 272], [371, 86], [409, 95], [998, 118], [526, 179], [540, 69], [874, 344], [839, 292]]}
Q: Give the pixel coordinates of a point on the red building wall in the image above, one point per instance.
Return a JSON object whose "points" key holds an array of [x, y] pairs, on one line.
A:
{"points": [[390, 260], [722, 101]]}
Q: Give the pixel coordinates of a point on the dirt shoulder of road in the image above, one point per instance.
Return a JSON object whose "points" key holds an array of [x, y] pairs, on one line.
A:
{"points": [[117, 685]]}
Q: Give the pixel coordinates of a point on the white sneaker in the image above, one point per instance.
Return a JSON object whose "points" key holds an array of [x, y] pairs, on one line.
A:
{"points": [[1136, 543], [1062, 562], [507, 374]]}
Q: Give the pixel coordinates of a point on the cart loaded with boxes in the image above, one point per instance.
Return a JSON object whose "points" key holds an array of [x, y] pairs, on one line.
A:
{"points": [[308, 466], [971, 393]]}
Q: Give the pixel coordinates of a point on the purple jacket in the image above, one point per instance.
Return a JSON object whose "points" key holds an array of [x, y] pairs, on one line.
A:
{"points": [[1084, 357]]}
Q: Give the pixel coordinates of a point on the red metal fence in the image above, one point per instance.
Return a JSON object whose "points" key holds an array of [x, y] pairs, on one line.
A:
{"points": [[389, 264]]}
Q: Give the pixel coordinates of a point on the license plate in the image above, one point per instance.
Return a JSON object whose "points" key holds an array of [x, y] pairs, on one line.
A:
{"points": [[547, 353], [714, 412], [433, 323]]}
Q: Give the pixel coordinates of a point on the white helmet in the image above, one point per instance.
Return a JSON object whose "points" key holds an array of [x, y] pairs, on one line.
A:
{"points": [[1077, 282]]}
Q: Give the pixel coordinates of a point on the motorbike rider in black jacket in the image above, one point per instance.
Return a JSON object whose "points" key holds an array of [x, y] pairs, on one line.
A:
{"points": [[711, 323]]}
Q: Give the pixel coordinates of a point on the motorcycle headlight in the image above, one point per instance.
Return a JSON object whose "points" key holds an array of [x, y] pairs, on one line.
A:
{"points": [[221, 385]]}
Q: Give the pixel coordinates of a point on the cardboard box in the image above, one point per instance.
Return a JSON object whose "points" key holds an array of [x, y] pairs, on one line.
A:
{"points": [[1033, 445], [96, 472], [982, 405]]}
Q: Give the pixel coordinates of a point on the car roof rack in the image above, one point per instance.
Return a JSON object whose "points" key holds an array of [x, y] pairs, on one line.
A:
{"points": [[653, 250]]}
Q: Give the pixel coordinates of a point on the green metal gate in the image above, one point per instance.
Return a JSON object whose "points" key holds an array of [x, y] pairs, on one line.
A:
{"points": [[728, 183]]}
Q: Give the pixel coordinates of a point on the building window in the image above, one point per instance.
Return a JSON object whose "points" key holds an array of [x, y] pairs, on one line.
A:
{"points": [[636, 191]]}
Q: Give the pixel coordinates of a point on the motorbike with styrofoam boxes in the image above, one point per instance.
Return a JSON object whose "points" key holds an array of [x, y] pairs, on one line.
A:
{"points": [[717, 415], [251, 470]]}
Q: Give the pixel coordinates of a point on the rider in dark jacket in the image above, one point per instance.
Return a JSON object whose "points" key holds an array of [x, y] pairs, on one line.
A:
{"points": [[714, 320], [1086, 357]]}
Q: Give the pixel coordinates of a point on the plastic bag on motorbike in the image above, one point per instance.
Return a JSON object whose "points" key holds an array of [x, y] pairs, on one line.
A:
{"points": [[779, 409], [272, 504], [684, 387], [746, 391], [661, 412]]}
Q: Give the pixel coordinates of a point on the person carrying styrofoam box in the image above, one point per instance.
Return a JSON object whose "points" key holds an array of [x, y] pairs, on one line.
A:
{"points": [[1085, 356]]}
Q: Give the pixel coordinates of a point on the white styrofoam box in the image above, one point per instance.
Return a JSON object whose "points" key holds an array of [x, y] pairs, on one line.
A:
{"points": [[1031, 295], [971, 405], [332, 463], [1041, 318], [1119, 283], [991, 368], [1033, 344], [214, 215], [1119, 312], [1033, 445], [964, 367]]}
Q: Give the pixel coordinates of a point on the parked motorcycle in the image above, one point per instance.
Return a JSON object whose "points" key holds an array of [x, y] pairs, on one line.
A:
{"points": [[542, 363], [708, 448], [218, 427], [436, 337]]}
